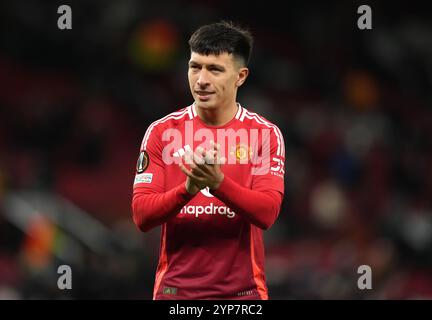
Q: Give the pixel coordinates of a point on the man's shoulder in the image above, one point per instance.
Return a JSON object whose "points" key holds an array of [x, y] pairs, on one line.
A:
{"points": [[173, 118], [255, 120]]}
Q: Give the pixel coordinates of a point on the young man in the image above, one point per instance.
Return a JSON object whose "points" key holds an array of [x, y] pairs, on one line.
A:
{"points": [[212, 175]]}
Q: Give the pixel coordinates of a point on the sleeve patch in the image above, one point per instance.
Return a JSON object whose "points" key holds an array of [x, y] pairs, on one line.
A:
{"points": [[143, 178], [143, 162]]}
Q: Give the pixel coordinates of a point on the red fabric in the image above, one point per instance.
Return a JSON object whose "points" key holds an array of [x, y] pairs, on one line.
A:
{"points": [[211, 243], [153, 209], [262, 211]]}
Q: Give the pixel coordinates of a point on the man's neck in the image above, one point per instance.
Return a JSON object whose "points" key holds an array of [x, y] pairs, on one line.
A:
{"points": [[218, 116]]}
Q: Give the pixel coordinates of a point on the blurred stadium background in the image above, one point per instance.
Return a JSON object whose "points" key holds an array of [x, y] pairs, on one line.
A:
{"points": [[354, 107]]}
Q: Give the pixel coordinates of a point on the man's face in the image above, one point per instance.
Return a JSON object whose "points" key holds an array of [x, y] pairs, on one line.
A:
{"points": [[214, 79]]}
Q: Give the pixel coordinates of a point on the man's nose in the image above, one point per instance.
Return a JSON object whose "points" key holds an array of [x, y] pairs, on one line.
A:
{"points": [[203, 79]]}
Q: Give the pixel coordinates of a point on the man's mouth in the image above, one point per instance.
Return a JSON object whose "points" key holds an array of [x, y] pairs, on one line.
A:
{"points": [[204, 95]]}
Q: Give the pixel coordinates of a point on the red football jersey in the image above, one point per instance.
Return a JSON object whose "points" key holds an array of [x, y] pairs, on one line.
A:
{"points": [[211, 243]]}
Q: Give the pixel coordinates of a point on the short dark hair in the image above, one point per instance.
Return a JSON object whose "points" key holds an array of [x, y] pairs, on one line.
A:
{"points": [[220, 37]]}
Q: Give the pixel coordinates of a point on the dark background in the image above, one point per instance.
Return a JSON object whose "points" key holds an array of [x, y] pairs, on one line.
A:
{"points": [[354, 107]]}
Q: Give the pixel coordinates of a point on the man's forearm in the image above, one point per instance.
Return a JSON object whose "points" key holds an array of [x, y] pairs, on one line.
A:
{"points": [[260, 208], [153, 209]]}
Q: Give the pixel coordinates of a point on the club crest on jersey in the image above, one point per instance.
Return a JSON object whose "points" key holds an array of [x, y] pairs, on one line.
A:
{"points": [[241, 152], [143, 162]]}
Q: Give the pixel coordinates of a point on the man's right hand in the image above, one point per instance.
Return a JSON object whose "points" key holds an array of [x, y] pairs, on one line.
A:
{"points": [[192, 187], [205, 168]]}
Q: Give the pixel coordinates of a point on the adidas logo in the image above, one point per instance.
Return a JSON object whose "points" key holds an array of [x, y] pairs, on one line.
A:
{"points": [[180, 152]]}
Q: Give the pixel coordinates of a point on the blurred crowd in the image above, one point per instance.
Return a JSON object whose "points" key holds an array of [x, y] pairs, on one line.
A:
{"points": [[354, 106]]}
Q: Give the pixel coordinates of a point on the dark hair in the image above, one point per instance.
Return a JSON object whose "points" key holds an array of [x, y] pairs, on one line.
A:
{"points": [[220, 37]]}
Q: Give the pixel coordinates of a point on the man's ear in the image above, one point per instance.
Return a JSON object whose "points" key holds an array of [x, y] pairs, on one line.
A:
{"points": [[242, 75]]}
